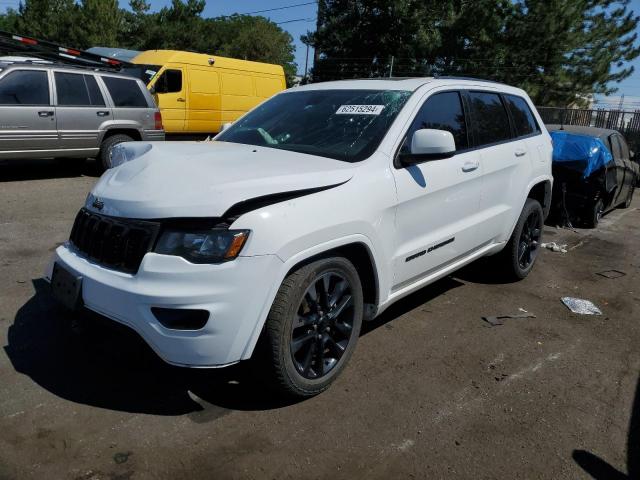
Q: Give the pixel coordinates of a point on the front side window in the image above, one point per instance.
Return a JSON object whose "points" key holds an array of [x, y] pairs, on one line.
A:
{"points": [[169, 82], [345, 125], [25, 87], [624, 148], [616, 149], [442, 111], [489, 117], [125, 93], [522, 115]]}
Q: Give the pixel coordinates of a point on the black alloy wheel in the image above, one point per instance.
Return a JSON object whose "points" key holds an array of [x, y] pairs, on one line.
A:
{"points": [[529, 243], [312, 328], [323, 326]]}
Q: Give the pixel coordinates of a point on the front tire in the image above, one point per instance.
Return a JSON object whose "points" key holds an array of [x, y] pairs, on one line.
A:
{"points": [[521, 252], [107, 146], [313, 326]]}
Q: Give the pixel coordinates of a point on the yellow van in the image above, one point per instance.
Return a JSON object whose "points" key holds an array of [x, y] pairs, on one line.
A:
{"points": [[199, 93]]}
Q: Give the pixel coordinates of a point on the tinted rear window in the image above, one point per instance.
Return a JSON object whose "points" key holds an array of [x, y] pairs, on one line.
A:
{"points": [[24, 87], [522, 115], [95, 95], [490, 118], [77, 90], [125, 93]]}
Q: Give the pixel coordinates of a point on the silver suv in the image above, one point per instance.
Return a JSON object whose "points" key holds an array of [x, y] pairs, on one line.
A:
{"points": [[50, 110]]}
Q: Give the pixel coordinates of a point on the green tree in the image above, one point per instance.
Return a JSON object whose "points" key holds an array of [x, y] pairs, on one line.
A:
{"points": [[251, 38], [560, 51], [178, 26], [101, 22]]}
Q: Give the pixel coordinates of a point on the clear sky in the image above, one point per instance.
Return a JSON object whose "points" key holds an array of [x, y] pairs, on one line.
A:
{"points": [[300, 19]]}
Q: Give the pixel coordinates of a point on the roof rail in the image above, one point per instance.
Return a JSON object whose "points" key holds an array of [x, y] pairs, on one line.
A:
{"points": [[453, 77], [19, 44]]}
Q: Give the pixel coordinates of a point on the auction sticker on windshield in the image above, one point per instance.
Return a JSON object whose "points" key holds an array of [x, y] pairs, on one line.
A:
{"points": [[360, 110]]}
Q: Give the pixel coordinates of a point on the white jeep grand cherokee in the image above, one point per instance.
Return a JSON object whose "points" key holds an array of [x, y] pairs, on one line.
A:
{"points": [[313, 212]]}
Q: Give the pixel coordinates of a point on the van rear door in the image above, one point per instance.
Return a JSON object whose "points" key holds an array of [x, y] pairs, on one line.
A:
{"points": [[170, 92]]}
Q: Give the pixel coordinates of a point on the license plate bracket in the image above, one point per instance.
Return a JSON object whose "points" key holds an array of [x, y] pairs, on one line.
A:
{"points": [[66, 287]]}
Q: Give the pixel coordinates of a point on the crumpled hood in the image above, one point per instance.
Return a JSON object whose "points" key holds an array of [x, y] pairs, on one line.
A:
{"points": [[205, 179]]}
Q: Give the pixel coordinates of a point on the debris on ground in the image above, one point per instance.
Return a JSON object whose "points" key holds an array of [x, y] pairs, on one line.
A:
{"points": [[611, 273], [498, 319], [581, 306], [554, 247]]}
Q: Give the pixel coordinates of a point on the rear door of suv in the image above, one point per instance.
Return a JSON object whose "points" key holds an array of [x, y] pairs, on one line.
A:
{"points": [[506, 163], [81, 111], [27, 118]]}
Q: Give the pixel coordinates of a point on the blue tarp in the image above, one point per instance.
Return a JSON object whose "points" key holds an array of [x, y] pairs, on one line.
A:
{"points": [[580, 152]]}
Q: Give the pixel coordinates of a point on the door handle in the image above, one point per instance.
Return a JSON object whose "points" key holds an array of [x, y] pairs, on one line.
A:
{"points": [[45, 114], [180, 99], [520, 152], [102, 113], [470, 166]]}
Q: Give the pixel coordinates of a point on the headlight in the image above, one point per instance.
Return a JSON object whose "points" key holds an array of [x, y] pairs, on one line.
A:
{"points": [[208, 246]]}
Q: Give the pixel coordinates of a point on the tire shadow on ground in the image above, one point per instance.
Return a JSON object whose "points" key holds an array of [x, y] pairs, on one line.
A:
{"points": [[88, 359]]}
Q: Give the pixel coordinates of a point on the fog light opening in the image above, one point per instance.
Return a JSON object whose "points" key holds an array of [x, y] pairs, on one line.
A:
{"points": [[181, 318]]}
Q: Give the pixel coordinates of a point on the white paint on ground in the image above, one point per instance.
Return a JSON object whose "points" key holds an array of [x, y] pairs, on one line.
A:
{"points": [[405, 445]]}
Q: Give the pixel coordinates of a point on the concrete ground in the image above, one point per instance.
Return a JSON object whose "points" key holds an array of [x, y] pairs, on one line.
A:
{"points": [[432, 390]]}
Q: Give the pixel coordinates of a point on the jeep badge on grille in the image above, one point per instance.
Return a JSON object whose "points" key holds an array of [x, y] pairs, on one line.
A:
{"points": [[98, 204]]}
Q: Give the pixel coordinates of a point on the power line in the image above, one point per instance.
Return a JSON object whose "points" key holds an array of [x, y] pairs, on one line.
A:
{"points": [[297, 20], [279, 8]]}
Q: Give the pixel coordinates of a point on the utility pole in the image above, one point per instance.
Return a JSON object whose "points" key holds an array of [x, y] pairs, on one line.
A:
{"points": [[621, 102], [306, 64], [391, 69]]}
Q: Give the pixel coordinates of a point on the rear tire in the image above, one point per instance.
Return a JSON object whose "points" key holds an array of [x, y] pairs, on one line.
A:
{"points": [[313, 327], [107, 146], [521, 251], [595, 214]]}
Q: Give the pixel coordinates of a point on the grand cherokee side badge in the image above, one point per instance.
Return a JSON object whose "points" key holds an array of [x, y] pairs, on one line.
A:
{"points": [[97, 204]]}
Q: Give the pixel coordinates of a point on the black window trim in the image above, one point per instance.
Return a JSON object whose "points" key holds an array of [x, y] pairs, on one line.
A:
{"points": [[470, 124], [465, 110], [513, 124], [513, 136], [57, 104], [476, 145], [10, 71]]}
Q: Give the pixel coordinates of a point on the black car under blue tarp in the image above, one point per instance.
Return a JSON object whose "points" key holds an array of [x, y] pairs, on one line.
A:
{"points": [[593, 173]]}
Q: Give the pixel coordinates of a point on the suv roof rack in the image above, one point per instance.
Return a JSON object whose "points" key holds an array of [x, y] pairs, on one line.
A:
{"points": [[42, 63], [12, 43]]}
